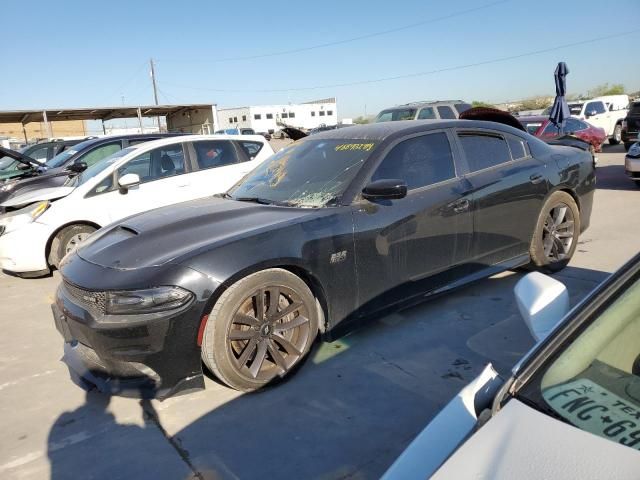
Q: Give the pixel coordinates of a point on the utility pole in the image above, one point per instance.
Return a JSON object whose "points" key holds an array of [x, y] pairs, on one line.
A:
{"points": [[155, 88]]}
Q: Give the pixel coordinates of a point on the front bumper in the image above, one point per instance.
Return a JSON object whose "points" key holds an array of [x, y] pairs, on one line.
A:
{"points": [[23, 250], [632, 167], [149, 356]]}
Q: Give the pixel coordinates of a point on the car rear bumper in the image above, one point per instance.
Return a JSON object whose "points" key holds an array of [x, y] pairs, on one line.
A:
{"points": [[149, 356], [630, 136], [23, 250]]}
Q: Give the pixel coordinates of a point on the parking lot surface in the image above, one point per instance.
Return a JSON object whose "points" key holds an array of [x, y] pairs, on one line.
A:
{"points": [[347, 413]]}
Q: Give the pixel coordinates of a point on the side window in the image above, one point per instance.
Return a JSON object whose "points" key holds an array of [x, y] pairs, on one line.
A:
{"points": [[251, 148], [98, 153], [161, 162], [518, 147], [419, 161], [446, 112], [427, 113], [215, 153], [551, 129], [484, 150], [39, 154]]}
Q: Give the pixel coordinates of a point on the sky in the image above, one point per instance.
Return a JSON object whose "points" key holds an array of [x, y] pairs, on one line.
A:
{"points": [[63, 54]]}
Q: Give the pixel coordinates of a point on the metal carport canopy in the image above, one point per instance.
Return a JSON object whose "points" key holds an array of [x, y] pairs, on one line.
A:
{"points": [[95, 113]]}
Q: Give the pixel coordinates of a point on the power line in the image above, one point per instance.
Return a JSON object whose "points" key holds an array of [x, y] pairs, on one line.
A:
{"points": [[361, 37], [416, 74]]}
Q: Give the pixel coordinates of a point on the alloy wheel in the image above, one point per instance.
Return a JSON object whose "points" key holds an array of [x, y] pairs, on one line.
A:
{"points": [[558, 233], [74, 241], [269, 332]]}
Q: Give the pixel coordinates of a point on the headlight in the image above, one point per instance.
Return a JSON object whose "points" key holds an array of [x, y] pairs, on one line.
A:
{"points": [[134, 302], [8, 185], [14, 220]]}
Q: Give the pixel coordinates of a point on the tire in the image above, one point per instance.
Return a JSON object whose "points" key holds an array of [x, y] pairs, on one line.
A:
{"points": [[554, 232], [263, 346], [616, 138], [66, 241]]}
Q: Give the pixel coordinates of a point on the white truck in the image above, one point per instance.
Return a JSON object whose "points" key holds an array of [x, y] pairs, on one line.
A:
{"points": [[606, 112]]}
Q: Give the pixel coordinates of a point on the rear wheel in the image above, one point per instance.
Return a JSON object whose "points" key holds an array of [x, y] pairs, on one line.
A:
{"points": [[616, 138], [556, 235], [66, 241], [259, 329]]}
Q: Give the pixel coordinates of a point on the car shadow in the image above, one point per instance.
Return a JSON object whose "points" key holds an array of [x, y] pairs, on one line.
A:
{"points": [[348, 412], [613, 177]]}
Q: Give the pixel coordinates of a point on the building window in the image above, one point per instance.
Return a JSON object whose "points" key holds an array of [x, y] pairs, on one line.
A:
{"points": [[284, 115], [257, 116], [313, 114], [269, 116], [321, 113], [292, 115], [329, 112], [244, 118], [230, 120], [235, 119]]}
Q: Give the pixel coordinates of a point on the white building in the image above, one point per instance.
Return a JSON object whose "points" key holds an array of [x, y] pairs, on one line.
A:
{"points": [[263, 118]]}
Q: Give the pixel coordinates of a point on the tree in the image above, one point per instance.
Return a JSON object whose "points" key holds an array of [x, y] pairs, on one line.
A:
{"points": [[536, 103], [361, 120], [605, 89], [478, 103]]}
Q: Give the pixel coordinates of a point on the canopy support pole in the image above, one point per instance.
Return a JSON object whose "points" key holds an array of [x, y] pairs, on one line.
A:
{"points": [[47, 125]]}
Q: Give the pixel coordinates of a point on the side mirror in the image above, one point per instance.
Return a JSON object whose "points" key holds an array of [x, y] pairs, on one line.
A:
{"points": [[591, 113], [385, 189], [542, 301], [23, 167], [128, 181], [77, 167]]}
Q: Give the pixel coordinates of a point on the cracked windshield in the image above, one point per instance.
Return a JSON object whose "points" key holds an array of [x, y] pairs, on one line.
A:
{"points": [[311, 174]]}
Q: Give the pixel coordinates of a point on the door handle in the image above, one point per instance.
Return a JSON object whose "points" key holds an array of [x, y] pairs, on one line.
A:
{"points": [[536, 178], [460, 206]]}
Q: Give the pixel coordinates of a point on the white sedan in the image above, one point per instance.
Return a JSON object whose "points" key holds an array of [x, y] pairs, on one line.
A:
{"points": [[570, 410], [42, 226]]}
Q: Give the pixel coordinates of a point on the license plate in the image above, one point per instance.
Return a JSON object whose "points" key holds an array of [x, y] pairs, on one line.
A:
{"points": [[595, 409]]}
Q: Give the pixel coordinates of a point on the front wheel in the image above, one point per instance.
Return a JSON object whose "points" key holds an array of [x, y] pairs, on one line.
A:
{"points": [[616, 138], [260, 328], [66, 241], [556, 234]]}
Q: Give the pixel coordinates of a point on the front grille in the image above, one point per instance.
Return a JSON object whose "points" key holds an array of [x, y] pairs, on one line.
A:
{"points": [[95, 302]]}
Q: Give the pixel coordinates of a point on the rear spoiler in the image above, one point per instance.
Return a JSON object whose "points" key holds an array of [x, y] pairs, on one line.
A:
{"points": [[570, 141]]}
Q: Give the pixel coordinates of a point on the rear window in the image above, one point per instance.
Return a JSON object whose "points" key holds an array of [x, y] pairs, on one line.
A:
{"points": [[395, 115], [575, 108], [484, 150]]}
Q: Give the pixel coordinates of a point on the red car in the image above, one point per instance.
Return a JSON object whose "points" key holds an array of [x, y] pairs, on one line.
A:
{"points": [[540, 126]]}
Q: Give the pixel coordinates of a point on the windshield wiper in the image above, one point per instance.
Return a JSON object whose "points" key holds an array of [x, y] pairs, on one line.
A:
{"points": [[262, 201]]}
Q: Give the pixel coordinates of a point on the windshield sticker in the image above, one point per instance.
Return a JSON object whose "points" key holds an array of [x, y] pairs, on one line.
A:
{"points": [[592, 408], [349, 147]]}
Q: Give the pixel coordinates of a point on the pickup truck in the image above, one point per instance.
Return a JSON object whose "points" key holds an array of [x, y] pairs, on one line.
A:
{"points": [[600, 113]]}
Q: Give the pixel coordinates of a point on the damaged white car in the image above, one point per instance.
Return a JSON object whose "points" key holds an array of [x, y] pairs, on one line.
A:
{"points": [[571, 408]]}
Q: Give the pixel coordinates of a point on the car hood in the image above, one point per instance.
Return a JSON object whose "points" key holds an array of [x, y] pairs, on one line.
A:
{"points": [[37, 196], [520, 442], [173, 233]]}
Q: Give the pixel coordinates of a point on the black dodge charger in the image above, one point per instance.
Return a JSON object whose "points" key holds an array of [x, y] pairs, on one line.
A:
{"points": [[336, 228]]}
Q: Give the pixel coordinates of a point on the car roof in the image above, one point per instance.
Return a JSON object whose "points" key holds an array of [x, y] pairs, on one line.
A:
{"points": [[383, 130], [533, 118], [190, 138], [423, 104]]}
